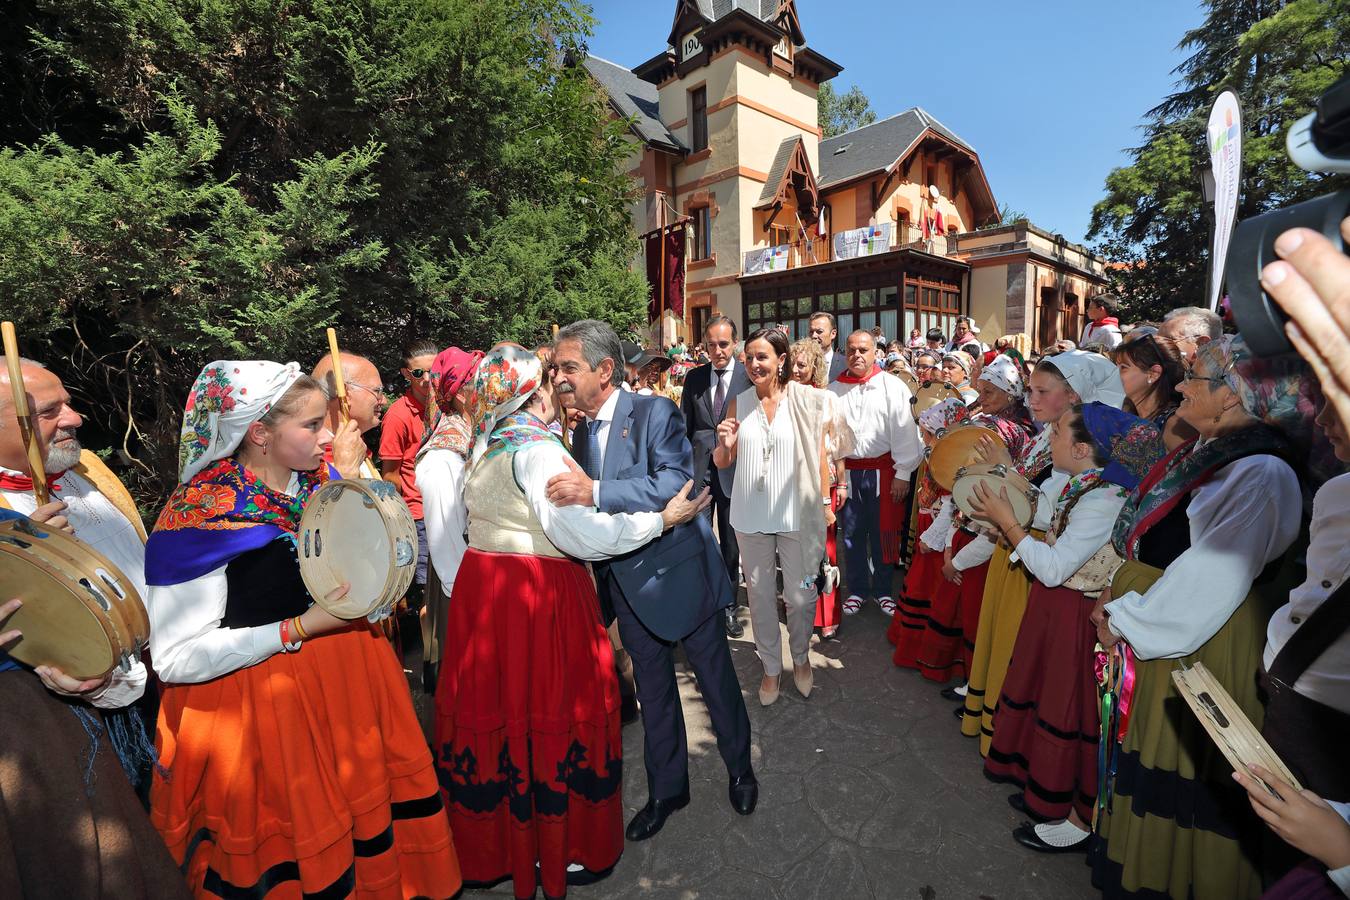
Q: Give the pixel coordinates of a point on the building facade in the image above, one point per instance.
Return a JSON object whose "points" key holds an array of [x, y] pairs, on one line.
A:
{"points": [[891, 225]]}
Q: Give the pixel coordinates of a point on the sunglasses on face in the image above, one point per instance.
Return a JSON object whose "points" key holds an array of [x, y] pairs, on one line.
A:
{"points": [[419, 373]]}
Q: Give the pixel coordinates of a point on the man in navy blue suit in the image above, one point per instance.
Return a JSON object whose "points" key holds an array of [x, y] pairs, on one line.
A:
{"points": [[632, 455]]}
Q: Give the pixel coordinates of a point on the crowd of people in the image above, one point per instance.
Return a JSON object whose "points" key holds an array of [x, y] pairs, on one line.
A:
{"points": [[1153, 496]]}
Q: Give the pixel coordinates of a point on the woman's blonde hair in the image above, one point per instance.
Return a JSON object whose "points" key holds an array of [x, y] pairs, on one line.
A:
{"points": [[815, 359]]}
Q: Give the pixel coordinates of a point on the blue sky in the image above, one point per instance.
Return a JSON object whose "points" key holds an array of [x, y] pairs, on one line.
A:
{"points": [[1050, 93]]}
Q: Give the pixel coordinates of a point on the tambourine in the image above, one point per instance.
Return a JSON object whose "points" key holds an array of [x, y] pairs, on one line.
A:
{"points": [[80, 613], [1022, 494], [957, 448], [931, 393], [357, 532]]}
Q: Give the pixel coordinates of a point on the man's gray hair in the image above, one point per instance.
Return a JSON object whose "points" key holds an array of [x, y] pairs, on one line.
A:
{"points": [[1199, 322], [598, 343]]}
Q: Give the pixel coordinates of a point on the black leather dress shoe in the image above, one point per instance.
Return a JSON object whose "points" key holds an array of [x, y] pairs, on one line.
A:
{"points": [[1025, 834], [734, 627], [628, 711], [744, 793], [952, 695], [959, 712], [652, 817]]}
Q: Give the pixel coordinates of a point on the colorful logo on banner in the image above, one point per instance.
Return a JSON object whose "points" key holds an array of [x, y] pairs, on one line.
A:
{"points": [[1225, 161]]}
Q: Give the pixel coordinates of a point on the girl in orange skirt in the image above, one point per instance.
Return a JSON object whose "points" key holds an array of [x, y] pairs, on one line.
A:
{"points": [[294, 761]]}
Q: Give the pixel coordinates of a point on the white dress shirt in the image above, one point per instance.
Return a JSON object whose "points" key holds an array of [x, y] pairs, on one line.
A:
{"points": [[1108, 336], [102, 526], [1245, 517], [1327, 680], [599, 438], [440, 478], [878, 410], [1087, 531]]}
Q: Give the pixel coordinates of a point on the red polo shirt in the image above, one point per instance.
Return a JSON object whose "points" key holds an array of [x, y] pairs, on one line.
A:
{"points": [[400, 436]]}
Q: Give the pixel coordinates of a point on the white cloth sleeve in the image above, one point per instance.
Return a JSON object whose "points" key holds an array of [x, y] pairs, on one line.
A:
{"points": [[1088, 530], [976, 553], [935, 536], [122, 689], [440, 478], [1244, 518], [903, 432], [579, 531], [187, 641]]}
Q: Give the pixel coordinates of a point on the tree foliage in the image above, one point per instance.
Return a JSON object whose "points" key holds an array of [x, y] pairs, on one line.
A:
{"points": [[1278, 55], [838, 113], [185, 180]]}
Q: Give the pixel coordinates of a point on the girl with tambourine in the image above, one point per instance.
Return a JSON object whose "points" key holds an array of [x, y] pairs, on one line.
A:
{"points": [[291, 751], [1048, 719]]}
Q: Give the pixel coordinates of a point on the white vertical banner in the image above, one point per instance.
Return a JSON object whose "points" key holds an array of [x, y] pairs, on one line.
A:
{"points": [[1225, 161]]}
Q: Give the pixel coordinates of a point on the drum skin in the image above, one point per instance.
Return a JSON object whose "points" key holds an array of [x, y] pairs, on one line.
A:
{"points": [[957, 448], [1021, 493], [931, 393], [357, 532], [79, 614]]}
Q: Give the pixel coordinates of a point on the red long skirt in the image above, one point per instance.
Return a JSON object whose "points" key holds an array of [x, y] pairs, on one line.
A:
{"points": [[527, 723], [916, 595], [1046, 729], [305, 773], [828, 612], [939, 649]]}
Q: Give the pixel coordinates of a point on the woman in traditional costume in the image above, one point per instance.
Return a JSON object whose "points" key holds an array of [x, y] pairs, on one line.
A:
{"points": [[527, 709], [1057, 384], [1199, 535], [957, 366], [1151, 370], [924, 575], [943, 648], [291, 753], [1048, 723]]}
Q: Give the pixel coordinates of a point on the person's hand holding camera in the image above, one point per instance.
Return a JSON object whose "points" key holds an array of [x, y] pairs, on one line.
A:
{"points": [[1311, 282]]}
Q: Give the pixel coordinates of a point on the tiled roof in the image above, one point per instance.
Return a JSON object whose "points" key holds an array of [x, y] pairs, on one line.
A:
{"points": [[780, 162], [634, 98], [877, 146]]}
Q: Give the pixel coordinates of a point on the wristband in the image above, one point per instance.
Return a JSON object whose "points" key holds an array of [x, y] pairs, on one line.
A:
{"points": [[287, 644], [299, 629]]}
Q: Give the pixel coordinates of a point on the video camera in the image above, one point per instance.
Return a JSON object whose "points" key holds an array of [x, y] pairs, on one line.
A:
{"points": [[1318, 142]]}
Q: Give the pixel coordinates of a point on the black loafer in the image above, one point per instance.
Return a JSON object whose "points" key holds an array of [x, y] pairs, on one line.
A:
{"points": [[952, 695], [1025, 834], [744, 793], [586, 876], [959, 712], [652, 817], [734, 627]]}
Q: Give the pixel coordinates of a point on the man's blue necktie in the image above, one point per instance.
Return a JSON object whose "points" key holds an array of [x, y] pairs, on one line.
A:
{"points": [[585, 451]]}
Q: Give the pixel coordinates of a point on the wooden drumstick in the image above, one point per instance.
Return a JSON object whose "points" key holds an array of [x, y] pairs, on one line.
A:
{"points": [[339, 385], [27, 427]]}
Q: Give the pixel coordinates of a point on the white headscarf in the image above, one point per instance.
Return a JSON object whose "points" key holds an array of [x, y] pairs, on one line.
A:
{"points": [[227, 397], [1092, 376], [1003, 374]]}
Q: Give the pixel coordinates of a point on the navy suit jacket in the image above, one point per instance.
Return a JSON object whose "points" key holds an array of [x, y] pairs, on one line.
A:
{"points": [[677, 581], [700, 423]]}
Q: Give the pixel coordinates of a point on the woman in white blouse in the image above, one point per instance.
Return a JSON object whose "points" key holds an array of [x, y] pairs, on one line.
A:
{"points": [[774, 436], [1196, 535]]}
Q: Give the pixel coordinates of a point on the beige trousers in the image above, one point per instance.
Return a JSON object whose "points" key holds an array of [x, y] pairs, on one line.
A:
{"points": [[761, 555]]}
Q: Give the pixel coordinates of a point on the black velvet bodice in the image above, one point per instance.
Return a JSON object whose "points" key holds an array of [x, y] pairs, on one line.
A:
{"points": [[1171, 537], [264, 586]]}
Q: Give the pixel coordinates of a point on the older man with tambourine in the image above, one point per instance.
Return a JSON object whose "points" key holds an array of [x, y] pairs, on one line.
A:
{"points": [[72, 565]]}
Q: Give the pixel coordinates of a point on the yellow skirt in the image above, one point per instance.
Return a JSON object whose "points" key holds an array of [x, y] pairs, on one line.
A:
{"points": [[1005, 601]]}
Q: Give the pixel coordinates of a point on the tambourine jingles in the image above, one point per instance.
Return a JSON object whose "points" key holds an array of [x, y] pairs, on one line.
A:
{"points": [[357, 532], [1021, 493], [956, 448], [80, 613], [931, 393]]}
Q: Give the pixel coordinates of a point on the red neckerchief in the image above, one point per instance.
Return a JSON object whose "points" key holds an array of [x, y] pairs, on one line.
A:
{"points": [[848, 377], [1106, 320], [17, 482]]}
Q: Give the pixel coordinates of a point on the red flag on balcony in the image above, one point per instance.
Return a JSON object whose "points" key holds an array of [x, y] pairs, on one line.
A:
{"points": [[669, 240]]}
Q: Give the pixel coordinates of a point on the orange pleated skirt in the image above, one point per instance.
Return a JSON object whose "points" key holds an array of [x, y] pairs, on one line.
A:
{"points": [[306, 774]]}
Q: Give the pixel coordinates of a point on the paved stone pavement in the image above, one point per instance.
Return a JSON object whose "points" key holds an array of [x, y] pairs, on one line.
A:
{"points": [[867, 790]]}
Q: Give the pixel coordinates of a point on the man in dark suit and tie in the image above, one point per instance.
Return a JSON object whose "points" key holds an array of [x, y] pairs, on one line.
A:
{"points": [[630, 452], [824, 332], [704, 404]]}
